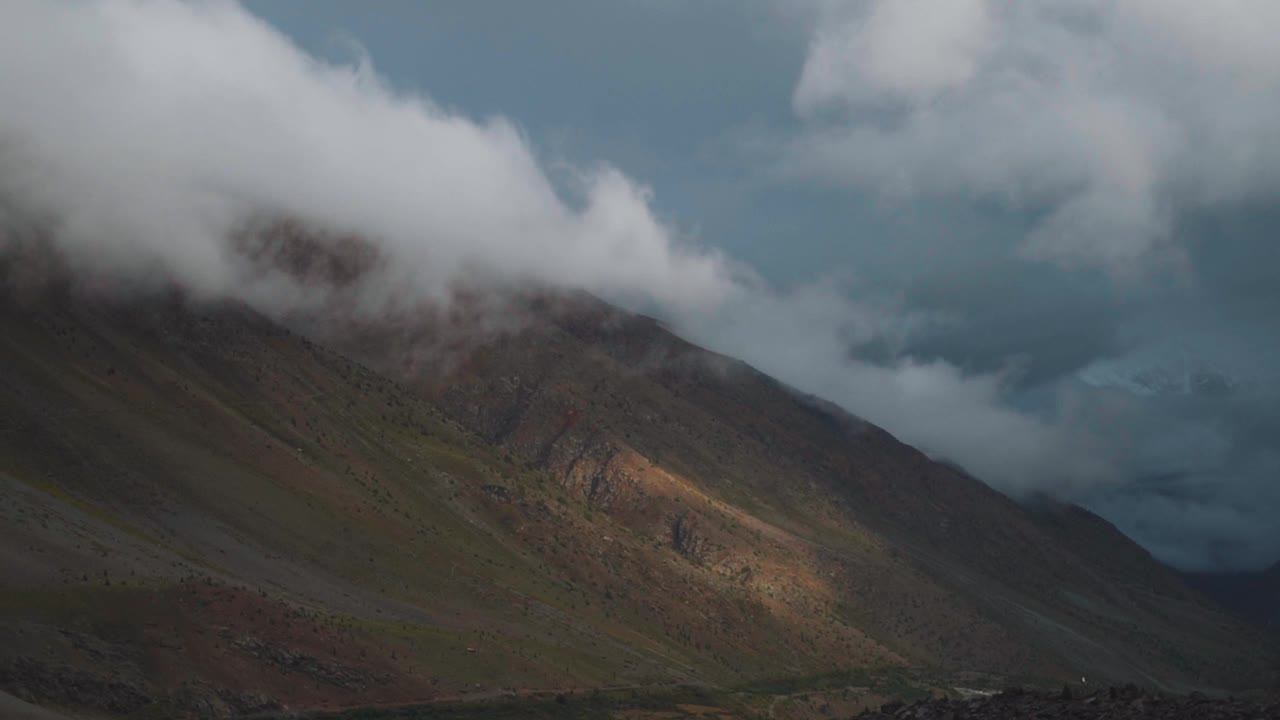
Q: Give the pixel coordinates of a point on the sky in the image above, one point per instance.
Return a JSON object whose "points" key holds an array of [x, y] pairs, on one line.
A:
{"points": [[1034, 238]]}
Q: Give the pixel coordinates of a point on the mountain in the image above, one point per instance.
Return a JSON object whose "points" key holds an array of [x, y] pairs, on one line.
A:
{"points": [[208, 514], [1254, 596], [1164, 377]]}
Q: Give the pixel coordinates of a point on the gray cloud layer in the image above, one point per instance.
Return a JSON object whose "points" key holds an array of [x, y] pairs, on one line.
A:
{"points": [[1140, 138], [147, 133]]}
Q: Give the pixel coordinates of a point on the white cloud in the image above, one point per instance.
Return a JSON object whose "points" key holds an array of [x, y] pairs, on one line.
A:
{"points": [[1103, 119], [151, 130], [912, 50]]}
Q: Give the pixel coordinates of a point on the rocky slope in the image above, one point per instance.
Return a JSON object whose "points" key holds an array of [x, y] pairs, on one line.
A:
{"points": [[1129, 703], [206, 514]]}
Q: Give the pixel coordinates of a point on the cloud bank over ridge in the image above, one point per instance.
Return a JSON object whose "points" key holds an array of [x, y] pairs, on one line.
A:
{"points": [[146, 132], [142, 136]]}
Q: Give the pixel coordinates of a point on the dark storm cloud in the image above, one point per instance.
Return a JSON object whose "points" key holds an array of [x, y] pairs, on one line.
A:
{"points": [[1205, 478], [1054, 328]]}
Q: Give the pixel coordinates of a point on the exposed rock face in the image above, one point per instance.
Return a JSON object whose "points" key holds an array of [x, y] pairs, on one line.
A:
{"points": [[302, 664], [596, 471], [37, 682], [686, 538], [1127, 703]]}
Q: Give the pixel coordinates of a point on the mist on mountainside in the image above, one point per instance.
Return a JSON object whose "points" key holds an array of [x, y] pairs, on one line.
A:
{"points": [[419, 386], [161, 144], [142, 171]]}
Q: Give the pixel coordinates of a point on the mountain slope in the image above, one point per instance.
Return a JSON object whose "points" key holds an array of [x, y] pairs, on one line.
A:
{"points": [[207, 514], [953, 553], [1254, 596]]}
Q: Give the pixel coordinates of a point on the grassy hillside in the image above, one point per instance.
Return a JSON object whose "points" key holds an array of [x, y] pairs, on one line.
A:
{"points": [[206, 514]]}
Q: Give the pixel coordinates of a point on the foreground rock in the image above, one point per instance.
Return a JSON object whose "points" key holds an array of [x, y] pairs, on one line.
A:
{"points": [[1113, 704]]}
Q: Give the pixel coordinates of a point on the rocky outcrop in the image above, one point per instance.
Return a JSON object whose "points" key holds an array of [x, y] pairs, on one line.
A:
{"points": [[341, 676], [687, 539], [39, 682], [595, 470]]}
